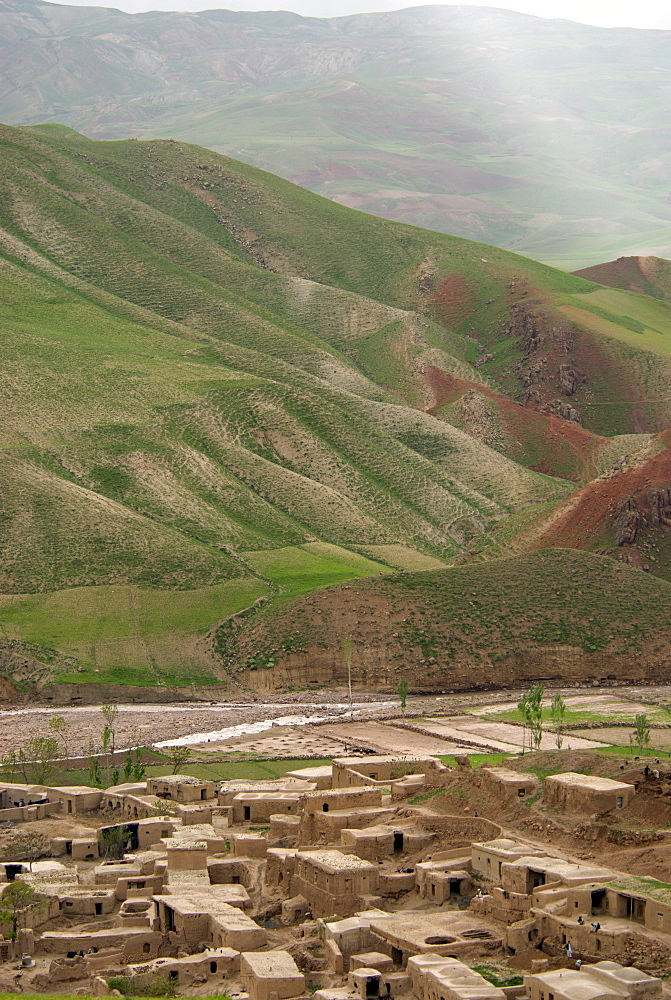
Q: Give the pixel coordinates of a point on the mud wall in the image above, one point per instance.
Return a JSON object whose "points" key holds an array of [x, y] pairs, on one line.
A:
{"points": [[373, 671], [97, 694]]}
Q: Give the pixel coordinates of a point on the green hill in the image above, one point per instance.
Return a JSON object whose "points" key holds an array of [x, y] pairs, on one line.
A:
{"points": [[556, 615], [219, 388]]}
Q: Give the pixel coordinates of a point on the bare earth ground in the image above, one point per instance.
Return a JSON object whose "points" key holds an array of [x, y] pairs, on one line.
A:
{"points": [[390, 739], [319, 725], [619, 736], [503, 734], [146, 724]]}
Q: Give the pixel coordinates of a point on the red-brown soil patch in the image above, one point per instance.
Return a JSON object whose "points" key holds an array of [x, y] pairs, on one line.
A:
{"points": [[585, 516], [646, 275], [560, 447], [453, 299]]}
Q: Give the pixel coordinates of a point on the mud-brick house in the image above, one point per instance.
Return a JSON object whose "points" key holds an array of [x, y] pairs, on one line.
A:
{"points": [[601, 981], [268, 974], [440, 881], [639, 899], [586, 793], [13, 796], [350, 772], [258, 807], [334, 883], [183, 788], [434, 977], [200, 917], [488, 857], [75, 799], [83, 847], [189, 970], [599, 919], [139, 834], [526, 874], [377, 843], [443, 932], [326, 813], [508, 785]]}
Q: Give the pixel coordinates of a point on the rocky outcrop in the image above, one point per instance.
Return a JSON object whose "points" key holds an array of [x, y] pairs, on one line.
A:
{"points": [[569, 380], [565, 411], [545, 341], [648, 510]]}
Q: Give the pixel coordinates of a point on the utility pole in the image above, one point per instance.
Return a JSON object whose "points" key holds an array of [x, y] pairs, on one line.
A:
{"points": [[347, 650]]}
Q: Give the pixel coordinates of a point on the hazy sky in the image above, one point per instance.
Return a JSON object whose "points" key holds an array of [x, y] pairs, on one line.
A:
{"points": [[609, 13]]}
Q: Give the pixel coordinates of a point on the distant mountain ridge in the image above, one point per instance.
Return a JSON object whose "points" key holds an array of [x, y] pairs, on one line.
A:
{"points": [[546, 137]]}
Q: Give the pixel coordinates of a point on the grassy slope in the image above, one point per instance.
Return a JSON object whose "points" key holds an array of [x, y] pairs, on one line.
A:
{"points": [[478, 613], [208, 373], [214, 436]]}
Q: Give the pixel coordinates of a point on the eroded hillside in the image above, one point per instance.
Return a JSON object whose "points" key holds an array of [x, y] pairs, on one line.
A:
{"points": [[220, 390]]}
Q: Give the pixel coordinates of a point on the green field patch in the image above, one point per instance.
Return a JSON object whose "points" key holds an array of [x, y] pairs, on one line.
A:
{"points": [[296, 569], [235, 766], [95, 614], [574, 717], [643, 322], [403, 557]]}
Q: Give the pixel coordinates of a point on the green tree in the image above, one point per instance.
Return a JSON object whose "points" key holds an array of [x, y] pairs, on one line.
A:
{"points": [[139, 769], [641, 734], [60, 727], [531, 707], [557, 713], [109, 714], [107, 737], [39, 755], [15, 898], [10, 764], [178, 757], [128, 766], [402, 692], [115, 841], [25, 845], [95, 772]]}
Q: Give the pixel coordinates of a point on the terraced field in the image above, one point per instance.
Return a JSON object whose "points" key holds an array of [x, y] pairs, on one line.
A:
{"points": [[221, 392]]}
